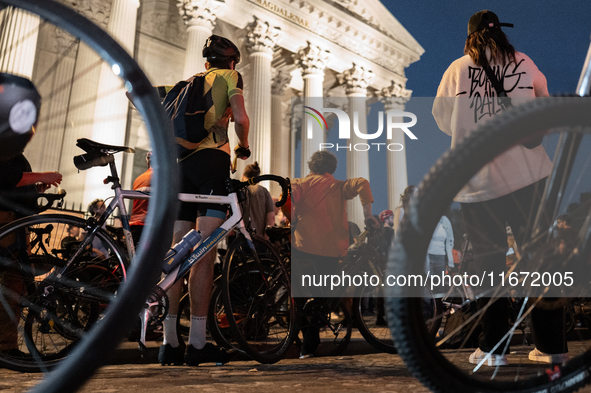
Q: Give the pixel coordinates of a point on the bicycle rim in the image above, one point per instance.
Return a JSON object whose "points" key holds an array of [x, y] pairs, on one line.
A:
{"points": [[448, 370], [332, 319], [217, 321], [62, 35], [257, 299], [370, 319]]}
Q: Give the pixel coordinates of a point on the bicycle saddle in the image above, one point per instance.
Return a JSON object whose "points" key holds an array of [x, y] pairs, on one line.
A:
{"points": [[91, 146]]}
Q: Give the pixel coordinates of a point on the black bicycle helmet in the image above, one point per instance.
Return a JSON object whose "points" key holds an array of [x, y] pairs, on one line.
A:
{"points": [[221, 48], [19, 111]]}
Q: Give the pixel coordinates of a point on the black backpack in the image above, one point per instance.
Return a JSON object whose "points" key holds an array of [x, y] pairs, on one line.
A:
{"points": [[186, 105]]}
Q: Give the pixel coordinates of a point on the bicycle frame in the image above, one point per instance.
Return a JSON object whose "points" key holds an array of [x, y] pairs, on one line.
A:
{"points": [[233, 222], [206, 245], [117, 202]]}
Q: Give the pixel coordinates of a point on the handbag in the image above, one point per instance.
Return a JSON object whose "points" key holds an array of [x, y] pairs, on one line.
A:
{"points": [[506, 103]]}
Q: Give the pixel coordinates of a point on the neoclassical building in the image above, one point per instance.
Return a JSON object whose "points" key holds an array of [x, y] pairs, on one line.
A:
{"points": [[290, 48]]}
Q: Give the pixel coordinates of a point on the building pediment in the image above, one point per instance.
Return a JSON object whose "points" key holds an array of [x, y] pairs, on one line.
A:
{"points": [[366, 29], [376, 15]]}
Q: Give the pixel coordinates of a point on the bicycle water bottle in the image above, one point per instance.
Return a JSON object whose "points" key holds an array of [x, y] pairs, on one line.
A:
{"points": [[179, 251]]}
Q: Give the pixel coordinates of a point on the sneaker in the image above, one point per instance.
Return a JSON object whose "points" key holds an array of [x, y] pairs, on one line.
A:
{"points": [[306, 355], [492, 360], [171, 355], [538, 356], [208, 354]]}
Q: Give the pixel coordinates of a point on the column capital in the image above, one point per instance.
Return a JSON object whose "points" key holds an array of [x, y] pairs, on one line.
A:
{"points": [[200, 12], [280, 82], [357, 79], [63, 42], [96, 10], [261, 36], [312, 59], [395, 95]]}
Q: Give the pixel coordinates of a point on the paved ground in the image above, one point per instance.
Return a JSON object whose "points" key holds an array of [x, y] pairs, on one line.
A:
{"points": [[362, 373], [360, 369]]}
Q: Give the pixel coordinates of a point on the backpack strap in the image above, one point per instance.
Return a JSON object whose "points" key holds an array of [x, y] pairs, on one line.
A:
{"points": [[505, 103]]}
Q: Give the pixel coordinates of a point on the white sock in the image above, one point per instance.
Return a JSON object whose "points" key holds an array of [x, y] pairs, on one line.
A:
{"points": [[197, 332], [170, 336]]}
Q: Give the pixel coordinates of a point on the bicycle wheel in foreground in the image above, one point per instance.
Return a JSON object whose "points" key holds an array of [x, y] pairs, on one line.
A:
{"points": [[257, 298], [71, 54], [546, 258]]}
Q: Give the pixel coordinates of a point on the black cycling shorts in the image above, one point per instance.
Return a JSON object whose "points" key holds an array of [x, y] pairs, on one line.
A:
{"points": [[204, 172]]}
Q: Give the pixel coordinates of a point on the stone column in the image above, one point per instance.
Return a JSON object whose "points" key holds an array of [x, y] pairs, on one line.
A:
{"points": [[110, 116], [56, 60], [395, 97], [82, 101], [357, 80], [200, 17], [18, 41], [280, 135], [18, 45], [260, 40], [311, 61]]}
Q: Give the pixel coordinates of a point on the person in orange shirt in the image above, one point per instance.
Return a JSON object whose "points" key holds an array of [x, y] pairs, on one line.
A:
{"points": [[321, 235], [319, 206], [140, 206]]}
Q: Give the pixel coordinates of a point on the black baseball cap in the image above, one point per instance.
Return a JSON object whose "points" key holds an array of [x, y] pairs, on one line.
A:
{"points": [[483, 19]]}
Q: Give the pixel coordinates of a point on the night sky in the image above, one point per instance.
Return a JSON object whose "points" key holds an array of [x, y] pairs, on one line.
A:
{"points": [[554, 34]]}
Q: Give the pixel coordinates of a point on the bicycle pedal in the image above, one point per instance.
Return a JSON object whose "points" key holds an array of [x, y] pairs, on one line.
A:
{"points": [[143, 349]]}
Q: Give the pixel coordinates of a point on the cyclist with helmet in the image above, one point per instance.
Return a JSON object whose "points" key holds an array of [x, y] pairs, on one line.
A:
{"points": [[387, 218], [19, 111], [204, 171]]}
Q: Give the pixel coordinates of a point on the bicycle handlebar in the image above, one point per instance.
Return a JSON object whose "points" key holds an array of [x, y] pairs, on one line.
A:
{"points": [[50, 199], [283, 182]]}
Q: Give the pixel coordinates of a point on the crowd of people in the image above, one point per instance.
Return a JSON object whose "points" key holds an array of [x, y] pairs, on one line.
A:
{"points": [[317, 210]]}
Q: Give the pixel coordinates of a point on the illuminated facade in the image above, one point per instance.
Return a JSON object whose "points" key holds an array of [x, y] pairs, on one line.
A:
{"points": [[290, 48]]}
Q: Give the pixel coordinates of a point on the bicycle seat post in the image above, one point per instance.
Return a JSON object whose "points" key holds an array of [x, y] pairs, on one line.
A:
{"points": [[114, 178]]}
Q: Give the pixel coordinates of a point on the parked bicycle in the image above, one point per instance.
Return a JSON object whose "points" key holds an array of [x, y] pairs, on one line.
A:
{"points": [[368, 252], [259, 320]]}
